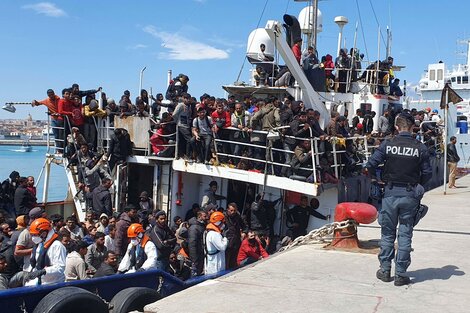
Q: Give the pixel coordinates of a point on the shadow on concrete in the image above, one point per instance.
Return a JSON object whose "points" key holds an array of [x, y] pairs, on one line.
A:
{"points": [[443, 273]]}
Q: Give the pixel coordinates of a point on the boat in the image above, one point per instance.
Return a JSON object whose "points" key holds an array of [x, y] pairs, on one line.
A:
{"points": [[429, 91], [26, 146], [175, 183]]}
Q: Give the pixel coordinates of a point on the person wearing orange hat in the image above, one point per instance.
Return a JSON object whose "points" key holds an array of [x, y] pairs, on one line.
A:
{"points": [[141, 254], [215, 244], [48, 255]]}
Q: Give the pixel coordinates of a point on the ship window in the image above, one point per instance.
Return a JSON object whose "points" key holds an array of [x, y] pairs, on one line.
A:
{"points": [[459, 79], [440, 74], [432, 75], [453, 79], [464, 79]]}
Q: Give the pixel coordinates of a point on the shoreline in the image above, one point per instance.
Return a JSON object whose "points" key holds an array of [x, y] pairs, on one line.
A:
{"points": [[19, 142]]}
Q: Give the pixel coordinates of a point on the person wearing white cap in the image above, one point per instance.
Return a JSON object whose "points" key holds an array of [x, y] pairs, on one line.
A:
{"points": [[102, 224]]}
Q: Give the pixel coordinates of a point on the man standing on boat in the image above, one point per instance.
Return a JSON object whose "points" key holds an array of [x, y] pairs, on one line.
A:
{"points": [[75, 89], [48, 255], [183, 117], [164, 240], [210, 196], [297, 218], [215, 244], [57, 123], [197, 226], [406, 167], [452, 160], [7, 193], [141, 253], [235, 232], [24, 200]]}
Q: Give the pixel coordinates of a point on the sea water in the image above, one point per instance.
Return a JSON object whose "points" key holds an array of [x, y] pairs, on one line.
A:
{"points": [[30, 164]]}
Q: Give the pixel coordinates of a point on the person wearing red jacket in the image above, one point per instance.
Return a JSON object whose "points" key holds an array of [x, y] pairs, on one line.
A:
{"points": [[158, 141], [297, 49], [65, 109], [72, 107], [251, 250], [221, 120], [329, 66]]}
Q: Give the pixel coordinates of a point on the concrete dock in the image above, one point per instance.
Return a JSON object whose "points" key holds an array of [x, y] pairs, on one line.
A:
{"points": [[311, 279]]}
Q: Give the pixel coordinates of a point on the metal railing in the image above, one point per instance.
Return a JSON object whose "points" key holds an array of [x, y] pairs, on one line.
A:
{"points": [[316, 151]]}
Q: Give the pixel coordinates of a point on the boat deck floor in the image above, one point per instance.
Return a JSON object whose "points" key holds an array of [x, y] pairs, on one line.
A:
{"points": [[311, 279]]}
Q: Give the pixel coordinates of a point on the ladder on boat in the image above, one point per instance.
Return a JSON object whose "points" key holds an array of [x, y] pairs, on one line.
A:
{"points": [[77, 195]]}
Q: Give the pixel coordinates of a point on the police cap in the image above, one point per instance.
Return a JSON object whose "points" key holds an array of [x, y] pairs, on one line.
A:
{"points": [[408, 117]]}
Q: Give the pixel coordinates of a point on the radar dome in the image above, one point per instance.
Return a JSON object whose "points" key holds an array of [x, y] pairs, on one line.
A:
{"points": [[306, 20], [257, 37]]}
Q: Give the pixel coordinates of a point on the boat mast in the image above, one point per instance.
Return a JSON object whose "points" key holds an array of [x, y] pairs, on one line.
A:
{"points": [[313, 41], [468, 53], [389, 43]]}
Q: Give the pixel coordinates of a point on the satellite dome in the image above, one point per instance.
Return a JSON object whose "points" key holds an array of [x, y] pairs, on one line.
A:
{"points": [[306, 20]]}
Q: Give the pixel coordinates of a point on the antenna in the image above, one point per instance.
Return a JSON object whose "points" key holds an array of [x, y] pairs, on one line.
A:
{"points": [[467, 53], [340, 21]]}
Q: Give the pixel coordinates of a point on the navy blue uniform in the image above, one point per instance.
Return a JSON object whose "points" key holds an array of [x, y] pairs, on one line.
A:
{"points": [[406, 166]]}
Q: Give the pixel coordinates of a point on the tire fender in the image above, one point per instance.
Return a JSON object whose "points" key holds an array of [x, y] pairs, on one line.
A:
{"points": [[71, 300], [131, 299]]}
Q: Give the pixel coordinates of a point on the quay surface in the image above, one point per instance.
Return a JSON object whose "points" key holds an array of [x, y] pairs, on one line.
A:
{"points": [[311, 279]]}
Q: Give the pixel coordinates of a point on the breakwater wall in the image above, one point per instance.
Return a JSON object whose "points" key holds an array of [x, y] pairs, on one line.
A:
{"points": [[19, 142]]}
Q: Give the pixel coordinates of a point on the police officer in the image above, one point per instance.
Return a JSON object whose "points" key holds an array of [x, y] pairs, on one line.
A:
{"points": [[406, 166]]}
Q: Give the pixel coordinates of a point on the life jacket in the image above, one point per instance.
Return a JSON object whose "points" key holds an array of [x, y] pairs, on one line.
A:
{"points": [[138, 261], [210, 227], [43, 260], [183, 253]]}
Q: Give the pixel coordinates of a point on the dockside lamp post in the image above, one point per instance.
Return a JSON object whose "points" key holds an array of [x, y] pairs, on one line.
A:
{"points": [[10, 106]]}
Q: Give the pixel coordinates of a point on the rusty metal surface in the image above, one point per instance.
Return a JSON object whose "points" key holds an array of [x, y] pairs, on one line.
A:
{"points": [[137, 127]]}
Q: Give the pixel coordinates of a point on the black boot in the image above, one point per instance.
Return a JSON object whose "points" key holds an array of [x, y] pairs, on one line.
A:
{"points": [[402, 280], [383, 275]]}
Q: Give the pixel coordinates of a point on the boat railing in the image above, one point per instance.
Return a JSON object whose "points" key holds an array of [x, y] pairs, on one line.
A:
{"points": [[59, 142], [317, 146], [171, 145], [433, 139], [270, 149], [105, 129]]}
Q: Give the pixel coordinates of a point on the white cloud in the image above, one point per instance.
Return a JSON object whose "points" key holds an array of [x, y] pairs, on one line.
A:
{"points": [[46, 8], [137, 46], [181, 48], [227, 43]]}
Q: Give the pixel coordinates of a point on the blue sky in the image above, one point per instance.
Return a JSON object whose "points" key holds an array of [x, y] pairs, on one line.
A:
{"points": [[106, 43]]}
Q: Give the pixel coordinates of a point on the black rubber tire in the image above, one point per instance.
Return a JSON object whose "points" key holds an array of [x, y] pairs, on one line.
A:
{"points": [[71, 300], [132, 299]]}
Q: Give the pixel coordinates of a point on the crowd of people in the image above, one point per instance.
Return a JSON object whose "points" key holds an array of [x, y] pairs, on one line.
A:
{"points": [[326, 73], [41, 249], [37, 248]]}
